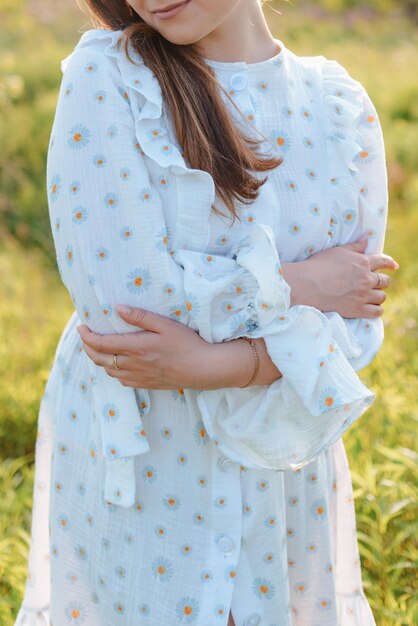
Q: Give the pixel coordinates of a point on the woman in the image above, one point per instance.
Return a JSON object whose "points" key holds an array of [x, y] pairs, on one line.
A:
{"points": [[189, 465]]}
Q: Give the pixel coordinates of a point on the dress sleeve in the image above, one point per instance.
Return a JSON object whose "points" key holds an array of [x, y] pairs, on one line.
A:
{"points": [[356, 143], [98, 188], [286, 424]]}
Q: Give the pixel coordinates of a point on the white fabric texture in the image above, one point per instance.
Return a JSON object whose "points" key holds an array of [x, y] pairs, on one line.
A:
{"points": [[172, 507]]}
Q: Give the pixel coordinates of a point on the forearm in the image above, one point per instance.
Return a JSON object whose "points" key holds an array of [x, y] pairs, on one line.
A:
{"points": [[232, 363]]}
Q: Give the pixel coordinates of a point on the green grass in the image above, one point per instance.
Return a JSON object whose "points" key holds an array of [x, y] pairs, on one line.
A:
{"points": [[34, 306]]}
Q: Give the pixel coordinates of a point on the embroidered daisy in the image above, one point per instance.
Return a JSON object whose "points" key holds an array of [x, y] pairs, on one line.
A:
{"points": [[186, 549], [329, 399], [271, 521], [125, 233], [291, 185], [145, 194], [80, 552], [55, 187], [99, 160], [164, 181], [155, 133], [310, 174], [202, 480], [162, 569], [169, 289], [318, 509], [294, 228], [166, 149], [111, 200], [206, 576], [324, 604], [300, 587], [160, 531], [79, 137], [220, 610], [63, 521], [262, 485], [110, 412], [246, 509], [119, 608], [139, 280], [166, 433], [269, 557], [102, 254], [187, 610], [263, 588], [182, 459], [306, 114], [349, 216], [112, 451], [281, 140], [90, 67], [149, 473], [140, 433], [100, 96], [76, 613], [199, 433], [79, 214], [198, 519], [69, 255]]}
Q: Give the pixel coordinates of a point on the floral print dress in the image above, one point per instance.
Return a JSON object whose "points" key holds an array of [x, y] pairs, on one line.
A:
{"points": [[165, 507]]}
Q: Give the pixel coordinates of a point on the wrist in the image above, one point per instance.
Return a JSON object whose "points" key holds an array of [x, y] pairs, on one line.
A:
{"points": [[227, 364], [303, 289]]}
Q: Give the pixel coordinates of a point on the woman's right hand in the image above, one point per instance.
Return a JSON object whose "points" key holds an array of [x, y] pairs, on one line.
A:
{"points": [[342, 279]]}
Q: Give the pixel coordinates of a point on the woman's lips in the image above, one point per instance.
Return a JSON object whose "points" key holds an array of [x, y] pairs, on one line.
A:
{"points": [[165, 14]]}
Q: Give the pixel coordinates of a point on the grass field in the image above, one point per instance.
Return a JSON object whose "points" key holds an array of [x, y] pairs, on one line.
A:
{"points": [[34, 305]]}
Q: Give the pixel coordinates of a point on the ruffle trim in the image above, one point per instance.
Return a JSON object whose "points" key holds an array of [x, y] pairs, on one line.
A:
{"points": [[354, 611], [33, 617], [343, 98], [350, 116], [144, 95]]}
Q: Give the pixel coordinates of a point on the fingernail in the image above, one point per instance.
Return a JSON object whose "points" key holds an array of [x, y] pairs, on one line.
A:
{"points": [[122, 308], [362, 237], [78, 327]]}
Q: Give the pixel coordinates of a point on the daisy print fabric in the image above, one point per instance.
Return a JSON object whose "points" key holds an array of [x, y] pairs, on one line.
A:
{"points": [[178, 506]]}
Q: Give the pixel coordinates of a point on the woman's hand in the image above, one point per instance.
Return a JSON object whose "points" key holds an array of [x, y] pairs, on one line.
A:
{"points": [[342, 279], [164, 355], [169, 355]]}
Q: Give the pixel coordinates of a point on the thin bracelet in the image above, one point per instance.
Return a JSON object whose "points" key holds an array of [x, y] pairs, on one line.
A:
{"points": [[257, 360]]}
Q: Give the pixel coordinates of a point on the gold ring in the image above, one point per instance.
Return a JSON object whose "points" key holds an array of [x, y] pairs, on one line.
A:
{"points": [[115, 362]]}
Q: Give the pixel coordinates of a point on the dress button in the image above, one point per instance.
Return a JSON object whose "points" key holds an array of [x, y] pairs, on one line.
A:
{"points": [[225, 544], [225, 464], [252, 620], [238, 81]]}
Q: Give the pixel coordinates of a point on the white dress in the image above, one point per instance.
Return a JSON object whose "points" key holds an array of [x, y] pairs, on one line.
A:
{"points": [[234, 499]]}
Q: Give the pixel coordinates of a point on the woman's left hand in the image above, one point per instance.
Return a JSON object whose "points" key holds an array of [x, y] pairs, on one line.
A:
{"points": [[164, 355]]}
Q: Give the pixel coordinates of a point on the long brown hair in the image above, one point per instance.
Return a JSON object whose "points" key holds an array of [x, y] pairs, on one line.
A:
{"points": [[209, 137]]}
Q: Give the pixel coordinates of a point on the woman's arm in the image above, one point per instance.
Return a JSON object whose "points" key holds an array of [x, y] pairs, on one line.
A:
{"points": [[341, 279]]}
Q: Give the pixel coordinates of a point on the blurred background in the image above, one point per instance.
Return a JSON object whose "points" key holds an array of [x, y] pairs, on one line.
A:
{"points": [[377, 41]]}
